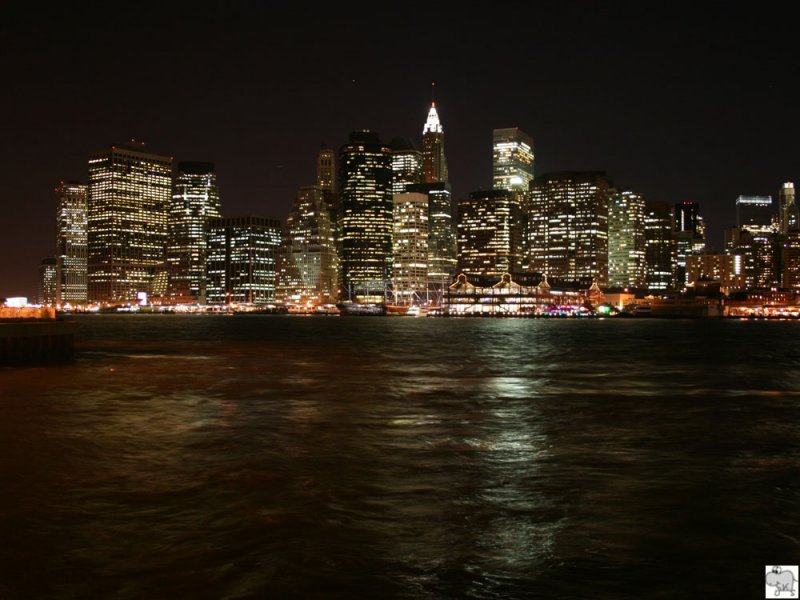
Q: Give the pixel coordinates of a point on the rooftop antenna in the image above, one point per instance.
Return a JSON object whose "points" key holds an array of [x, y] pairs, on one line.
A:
{"points": [[433, 97]]}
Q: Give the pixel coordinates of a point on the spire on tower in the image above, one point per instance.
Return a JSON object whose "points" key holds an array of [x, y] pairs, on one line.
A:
{"points": [[432, 124]]}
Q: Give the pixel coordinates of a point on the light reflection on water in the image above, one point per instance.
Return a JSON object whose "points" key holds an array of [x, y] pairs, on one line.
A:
{"points": [[228, 457]]}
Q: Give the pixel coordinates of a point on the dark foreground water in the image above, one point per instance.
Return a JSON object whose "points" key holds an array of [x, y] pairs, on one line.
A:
{"points": [[235, 457]]}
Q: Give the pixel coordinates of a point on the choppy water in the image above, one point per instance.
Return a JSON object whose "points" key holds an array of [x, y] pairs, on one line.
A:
{"points": [[235, 457]]}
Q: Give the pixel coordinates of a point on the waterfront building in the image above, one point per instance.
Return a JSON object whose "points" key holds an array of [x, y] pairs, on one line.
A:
{"points": [[71, 233], [365, 215], [489, 233], [787, 206], [311, 248], [659, 246], [128, 198], [568, 225], [755, 237], [727, 269], [512, 160], [441, 237], [241, 260], [410, 248], [434, 163], [689, 237], [406, 164], [626, 240], [48, 281], [195, 200]]}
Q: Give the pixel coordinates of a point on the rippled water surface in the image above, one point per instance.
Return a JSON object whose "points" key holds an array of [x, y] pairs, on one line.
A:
{"points": [[265, 456]]}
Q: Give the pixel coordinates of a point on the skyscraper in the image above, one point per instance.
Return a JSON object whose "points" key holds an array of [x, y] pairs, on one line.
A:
{"points": [[568, 225], [241, 260], [410, 248], [195, 200], [512, 159], [689, 237], [365, 215], [129, 195], [789, 217], [406, 164], [326, 169], [756, 239], [47, 281], [311, 247], [489, 233], [441, 236], [626, 240], [71, 232], [434, 163], [659, 246]]}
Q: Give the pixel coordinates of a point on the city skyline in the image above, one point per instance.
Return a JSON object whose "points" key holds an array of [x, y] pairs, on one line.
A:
{"points": [[680, 116]]}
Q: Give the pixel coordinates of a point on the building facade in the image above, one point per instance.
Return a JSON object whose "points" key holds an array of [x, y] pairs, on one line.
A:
{"points": [[365, 215], [128, 198], [659, 246], [442, 249], [568, 225], [512, 159], [626, 240], [489, 233], [434, 162], [689, 237], [410, 248], [727, 269], [406, 164], [241, 261], [195, 201], [71, 243], [48, 282]]}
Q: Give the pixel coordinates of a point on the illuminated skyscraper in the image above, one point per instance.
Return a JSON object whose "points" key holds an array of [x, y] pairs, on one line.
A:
{"points": [[568, 225], [489, 233], [47, 281], [659, 246], [365, 215], [129, 196], [441, 236], [410, 248], [512, 159], [311, 247], [789, 217], [195, 200], [434, 163], [626, 240], [755, 238], [406, 164], [241, 260], [71, 225], [326, 169], [689, 237]]}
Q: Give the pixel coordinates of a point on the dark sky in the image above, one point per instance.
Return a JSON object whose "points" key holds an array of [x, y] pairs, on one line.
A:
{"points": [[673, 100]]}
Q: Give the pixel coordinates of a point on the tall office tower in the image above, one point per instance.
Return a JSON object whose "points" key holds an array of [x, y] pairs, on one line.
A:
{"points": [[789, 216], [241, 260], [312, 247], [434, 163], [406, 164], [326, 169], [441, 236], [568, 225], [48, 281], [489, 233], [790, 275], [689, 236], [129, 196], [660, 248], [512, 159], [365, 215], [626, 240], [195, 200], [71, 209], [755, 237], [410, 248]]}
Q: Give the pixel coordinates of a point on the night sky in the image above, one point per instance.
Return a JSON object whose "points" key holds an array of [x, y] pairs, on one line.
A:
{"points": [[673, 101]]}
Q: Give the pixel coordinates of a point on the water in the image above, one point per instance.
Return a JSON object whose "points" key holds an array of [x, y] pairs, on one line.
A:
{"points": [[236, 457]]}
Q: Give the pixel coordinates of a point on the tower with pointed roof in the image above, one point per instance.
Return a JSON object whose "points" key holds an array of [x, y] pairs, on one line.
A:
{"points": [[434, 164]]}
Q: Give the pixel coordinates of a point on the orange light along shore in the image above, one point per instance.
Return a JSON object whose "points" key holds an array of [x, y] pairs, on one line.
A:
{"points": [[33, 336]]}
